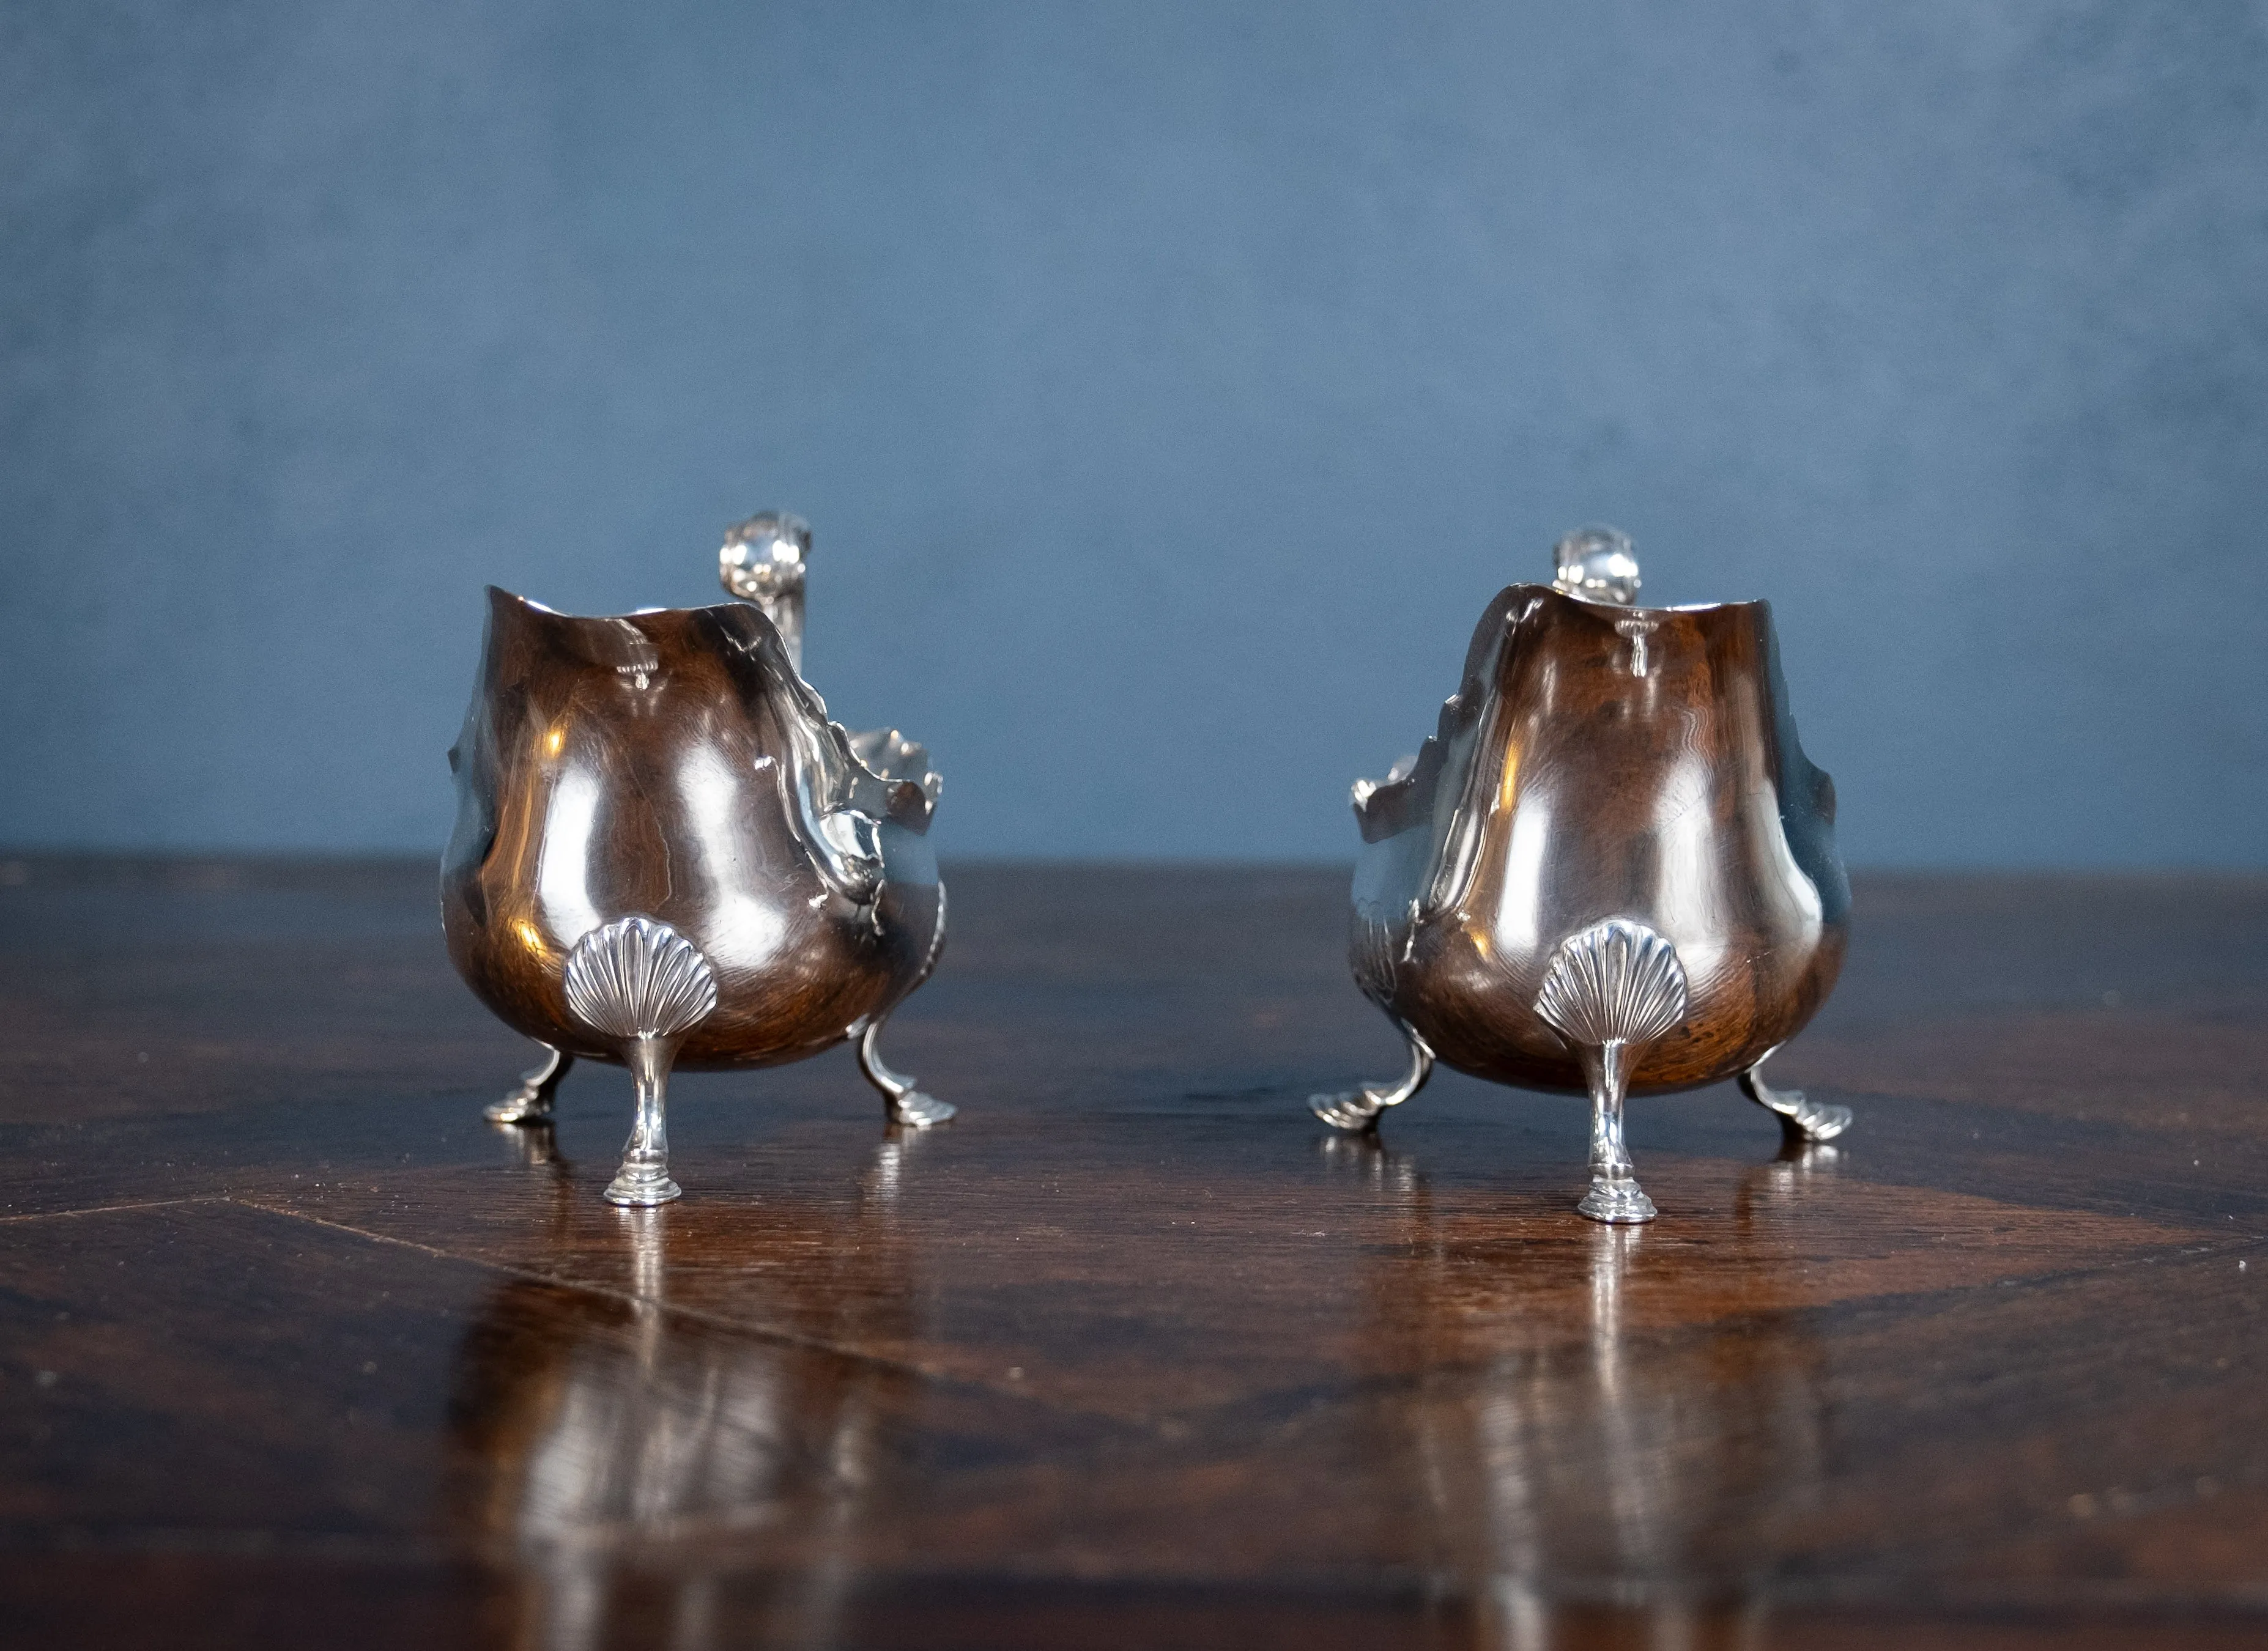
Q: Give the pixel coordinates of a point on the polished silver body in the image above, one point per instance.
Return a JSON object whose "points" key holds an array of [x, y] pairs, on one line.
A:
{"points": [[1612, 872], [668, 857]]}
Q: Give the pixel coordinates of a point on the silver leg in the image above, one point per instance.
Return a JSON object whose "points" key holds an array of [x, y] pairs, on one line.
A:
{"points": [[643, 983], [1611, 991], [1357, 1110], [644, 1177], [1615, 1196], [539, 1087], [906, 1104], [1800, 1118]]}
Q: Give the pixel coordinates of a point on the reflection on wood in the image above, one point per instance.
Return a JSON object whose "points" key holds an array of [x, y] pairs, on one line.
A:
{"points": [[610, 1432], [297, 1351], [1549, 1464]]}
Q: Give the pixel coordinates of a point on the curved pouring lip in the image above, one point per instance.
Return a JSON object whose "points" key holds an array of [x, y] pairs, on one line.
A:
{"points": [[613, 640], [1598, 762], [672, 764], [1380, 805]]}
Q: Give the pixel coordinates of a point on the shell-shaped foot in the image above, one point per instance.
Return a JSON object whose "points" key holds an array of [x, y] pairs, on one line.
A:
{"points": [[637, 978], [1616, 982], [1617, 1203], [917, 1111]]}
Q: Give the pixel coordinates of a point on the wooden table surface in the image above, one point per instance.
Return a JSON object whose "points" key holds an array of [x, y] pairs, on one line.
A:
{"points": [[295, 1349]]}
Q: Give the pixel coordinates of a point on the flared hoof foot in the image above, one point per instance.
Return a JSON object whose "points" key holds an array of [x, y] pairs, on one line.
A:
{"points": [[641, 1186], [1617, 1203], [916, 1111], [1801, 1119], [904, 1105], [1355, 1112], [1358, 1111], [519, 1107], [1812, 1123], [538, 1086]]}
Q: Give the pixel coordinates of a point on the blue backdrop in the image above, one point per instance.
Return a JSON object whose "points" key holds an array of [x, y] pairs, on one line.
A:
{"points": [[1170, 386]]}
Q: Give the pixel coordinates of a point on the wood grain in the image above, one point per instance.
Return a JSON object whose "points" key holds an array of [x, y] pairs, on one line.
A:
{"points": [[294, 1348]]}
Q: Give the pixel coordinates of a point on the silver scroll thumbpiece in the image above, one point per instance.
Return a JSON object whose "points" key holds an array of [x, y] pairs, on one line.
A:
{"points": [[667, 856], [1610, 872]]}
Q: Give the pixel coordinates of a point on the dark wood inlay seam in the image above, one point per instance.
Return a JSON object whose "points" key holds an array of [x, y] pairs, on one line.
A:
{"points": [[114, 1209], [691, 1315]]}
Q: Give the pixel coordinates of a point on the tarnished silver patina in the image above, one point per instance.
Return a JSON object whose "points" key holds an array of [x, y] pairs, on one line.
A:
{"points": [[1612, 871], [666, 855]]}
